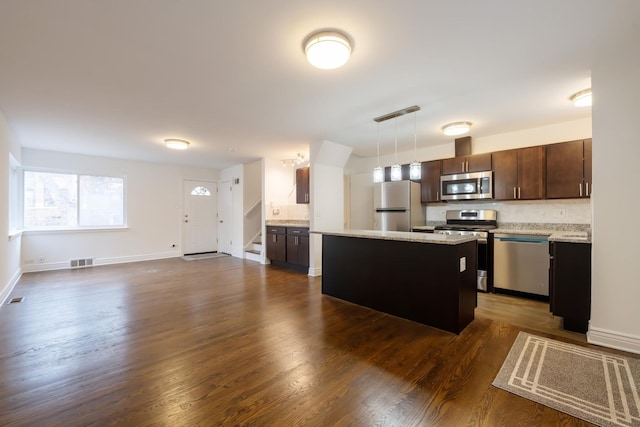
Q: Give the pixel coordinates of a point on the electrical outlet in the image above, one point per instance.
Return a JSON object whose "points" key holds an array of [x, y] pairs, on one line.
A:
{"points": [[463, 264]]}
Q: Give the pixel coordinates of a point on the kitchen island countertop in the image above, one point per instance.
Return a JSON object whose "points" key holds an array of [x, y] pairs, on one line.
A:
{"points": [[404, 236]]}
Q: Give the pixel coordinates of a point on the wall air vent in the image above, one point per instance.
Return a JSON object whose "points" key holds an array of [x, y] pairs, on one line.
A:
{"points": [[81, 263]]}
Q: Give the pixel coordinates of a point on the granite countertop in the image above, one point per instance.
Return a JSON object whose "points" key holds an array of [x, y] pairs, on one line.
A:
{"points": [[570, 233], [288, 222], [404, 236], [424, 227]]}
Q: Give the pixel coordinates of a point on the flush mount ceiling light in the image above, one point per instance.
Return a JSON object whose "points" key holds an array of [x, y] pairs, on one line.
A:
{"points": [[177, 144], [327, 49], [582, 98], [457, 128]]}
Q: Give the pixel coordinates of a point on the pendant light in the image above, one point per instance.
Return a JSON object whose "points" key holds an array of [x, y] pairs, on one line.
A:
{"points": [[415, 168], [396, 169], [378, 172]]}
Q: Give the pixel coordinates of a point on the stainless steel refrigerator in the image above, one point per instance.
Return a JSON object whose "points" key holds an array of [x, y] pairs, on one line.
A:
{"points": [[397, 206]]}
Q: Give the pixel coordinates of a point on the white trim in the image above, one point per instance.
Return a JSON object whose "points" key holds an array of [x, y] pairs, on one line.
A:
{"points": [[14, 234], [30, 268], [73, 230], [9, 288], [315, 272], [613, 339]]}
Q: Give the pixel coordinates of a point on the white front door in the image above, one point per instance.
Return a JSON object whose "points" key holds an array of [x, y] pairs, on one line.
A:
{"points": [[199, 221], [225, 224]]}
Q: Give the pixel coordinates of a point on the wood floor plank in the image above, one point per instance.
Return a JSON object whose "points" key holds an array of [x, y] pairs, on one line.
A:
{"points": [[225, 341]]}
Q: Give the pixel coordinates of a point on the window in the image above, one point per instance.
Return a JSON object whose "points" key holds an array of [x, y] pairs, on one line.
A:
{"points": [[63, 200], [200, 191]]}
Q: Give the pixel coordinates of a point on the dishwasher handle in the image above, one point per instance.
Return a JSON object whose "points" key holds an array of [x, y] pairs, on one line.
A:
{"points": [[523, 239]]}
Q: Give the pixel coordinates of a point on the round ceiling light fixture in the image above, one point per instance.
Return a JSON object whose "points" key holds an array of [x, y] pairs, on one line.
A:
{"points": [[176, 144], [327, 49], [582, 98], [456, 128]]}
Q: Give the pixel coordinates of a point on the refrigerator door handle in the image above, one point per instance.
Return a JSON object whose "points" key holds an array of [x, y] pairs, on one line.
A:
{"points": [[391, 209]]}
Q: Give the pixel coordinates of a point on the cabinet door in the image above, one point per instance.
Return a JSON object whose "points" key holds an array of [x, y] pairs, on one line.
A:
{"points": [[454, 165], [276, 247], [475, 163], [298, 249], [588, 183], [292, 249], [302, 185], [531, 184], [479, 162], [565, 170], [430, 182], [505, 175]]}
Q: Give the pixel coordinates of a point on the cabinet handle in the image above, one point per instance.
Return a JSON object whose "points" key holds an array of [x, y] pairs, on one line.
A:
{"points": [[587, 188], [514, 193], [273, 238], [519, 195], [467, 166], [580, 189], [437, 195], [463, 168]]}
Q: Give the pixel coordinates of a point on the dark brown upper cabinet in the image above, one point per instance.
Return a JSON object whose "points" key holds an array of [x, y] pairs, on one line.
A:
{"points": [[569, 169], [302, 185], [519, 174], [430, 181], [474, 163]]}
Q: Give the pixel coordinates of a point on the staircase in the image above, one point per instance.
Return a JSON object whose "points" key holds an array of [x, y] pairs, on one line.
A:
{"points": [[253, 250]]}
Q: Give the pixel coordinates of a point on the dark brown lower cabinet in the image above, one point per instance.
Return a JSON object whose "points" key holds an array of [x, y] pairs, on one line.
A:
{"points": [[298, 246], [288, 247], [276, 243], [570, 284]]}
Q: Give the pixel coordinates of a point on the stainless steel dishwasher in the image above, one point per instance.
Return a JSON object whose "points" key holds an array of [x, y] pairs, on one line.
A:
{"points": [[521, 263]]}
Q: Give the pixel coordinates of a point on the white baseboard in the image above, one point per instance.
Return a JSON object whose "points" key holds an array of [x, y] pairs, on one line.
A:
{"points": [[613, 339], [12, 283], [31, 268], [314, 272]]}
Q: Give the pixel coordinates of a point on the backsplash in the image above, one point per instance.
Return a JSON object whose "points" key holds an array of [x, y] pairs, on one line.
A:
{"points": [[565, 211], [287, 212]]}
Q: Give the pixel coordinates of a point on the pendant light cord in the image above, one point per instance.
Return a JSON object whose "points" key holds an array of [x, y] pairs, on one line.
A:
{"points": [[415, 127], [396, 137], [378, 142]]}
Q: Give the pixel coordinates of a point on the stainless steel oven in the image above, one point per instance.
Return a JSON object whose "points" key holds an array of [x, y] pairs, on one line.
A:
{"points": [[467, 186], [475, 223]]}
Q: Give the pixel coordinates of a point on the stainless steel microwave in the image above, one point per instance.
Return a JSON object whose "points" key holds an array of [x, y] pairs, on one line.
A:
{"points": [[467, 186]]}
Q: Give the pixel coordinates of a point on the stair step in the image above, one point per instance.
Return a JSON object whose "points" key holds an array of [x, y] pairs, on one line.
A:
{"points": [[253, 251]]}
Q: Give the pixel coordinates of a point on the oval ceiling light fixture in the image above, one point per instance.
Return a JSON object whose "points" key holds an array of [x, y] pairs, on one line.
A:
{"points": [[176, 144], [327, 49], [456, 128], [582, 98]]}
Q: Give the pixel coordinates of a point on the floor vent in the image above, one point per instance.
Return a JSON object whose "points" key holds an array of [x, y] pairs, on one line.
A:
{"points": [[81, 262], [15, 300]]}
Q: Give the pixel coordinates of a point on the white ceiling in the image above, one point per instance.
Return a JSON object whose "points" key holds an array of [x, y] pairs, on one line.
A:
{"points": [[115, 78]]}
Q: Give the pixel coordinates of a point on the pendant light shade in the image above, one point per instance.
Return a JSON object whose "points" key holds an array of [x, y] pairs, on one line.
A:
{"points": [[396, 169], [327, 49], [378, 171]]}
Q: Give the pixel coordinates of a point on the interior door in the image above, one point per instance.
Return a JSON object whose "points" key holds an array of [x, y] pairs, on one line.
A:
{"points": [[225, 223], [199, 221]]}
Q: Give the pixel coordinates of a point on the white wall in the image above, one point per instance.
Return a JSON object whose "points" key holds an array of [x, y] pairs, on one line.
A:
{"points": [[10, 270], [615, 302], [153, 204], [280, 193]]}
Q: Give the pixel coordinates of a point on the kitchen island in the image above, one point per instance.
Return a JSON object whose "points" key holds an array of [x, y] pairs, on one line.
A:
{"points": [[427, 278]]}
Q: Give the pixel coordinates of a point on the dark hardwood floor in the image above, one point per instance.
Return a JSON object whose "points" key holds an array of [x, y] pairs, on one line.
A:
{"points": [[225, 341]]}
